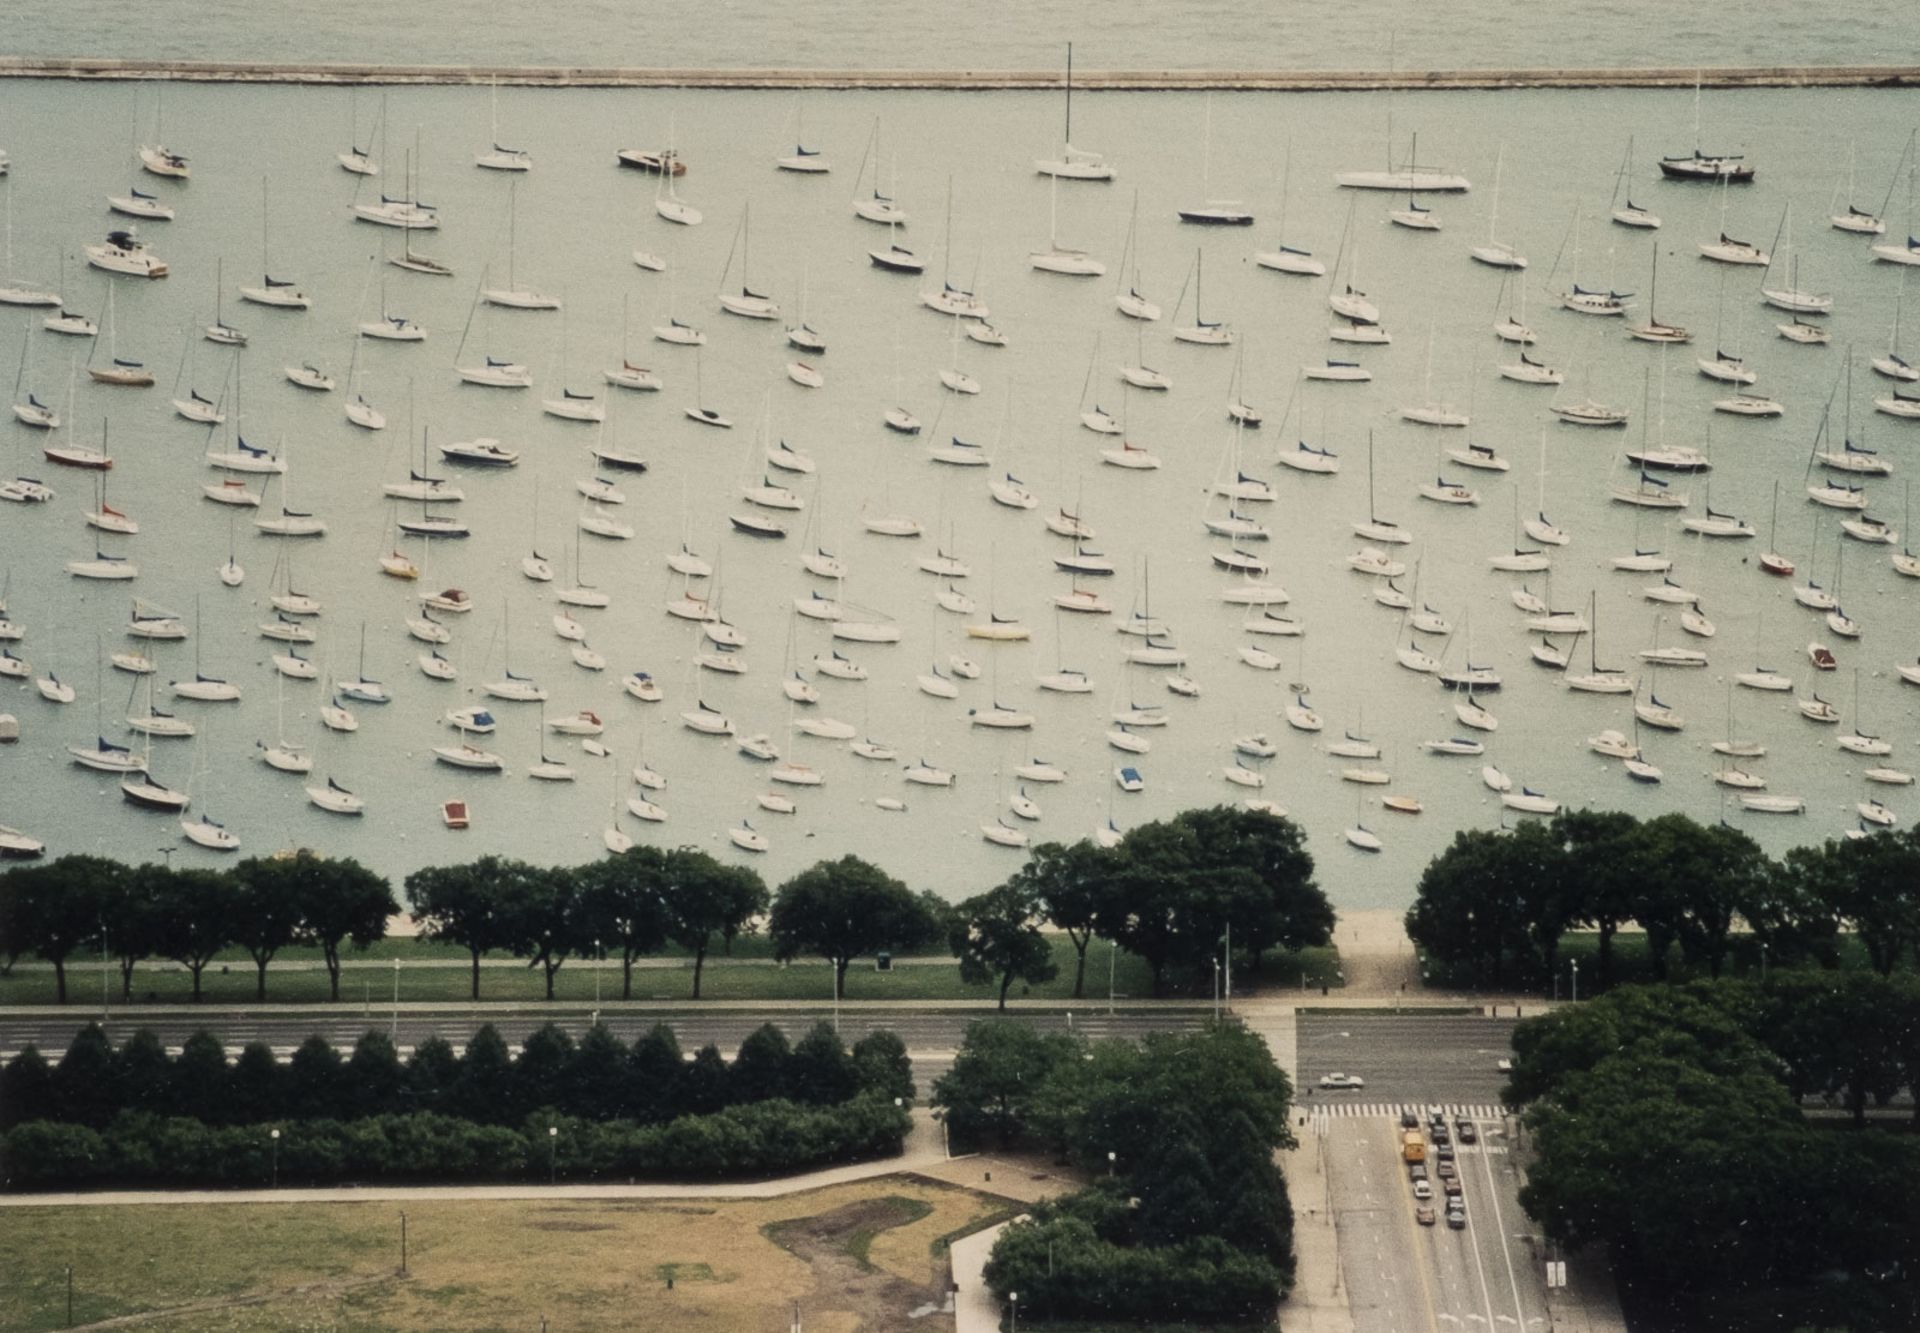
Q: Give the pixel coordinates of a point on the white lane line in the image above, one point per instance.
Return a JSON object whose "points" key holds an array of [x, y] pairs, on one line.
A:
{"points": [[1506, 1252], [1486, 1295]]}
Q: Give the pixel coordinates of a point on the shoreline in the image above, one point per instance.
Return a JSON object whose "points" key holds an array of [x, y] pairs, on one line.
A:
{"points": [[561, 76]]}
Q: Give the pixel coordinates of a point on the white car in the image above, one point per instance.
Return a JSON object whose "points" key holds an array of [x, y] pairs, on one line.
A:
{"points": [[1342, 1081], [1504, 1066]]}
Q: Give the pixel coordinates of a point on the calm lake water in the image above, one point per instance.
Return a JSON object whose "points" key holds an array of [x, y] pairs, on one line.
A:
{"points": [[575, 221]]}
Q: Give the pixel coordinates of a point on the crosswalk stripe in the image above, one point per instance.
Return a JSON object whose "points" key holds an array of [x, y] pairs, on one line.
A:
{"points": [[1392, 1110]]}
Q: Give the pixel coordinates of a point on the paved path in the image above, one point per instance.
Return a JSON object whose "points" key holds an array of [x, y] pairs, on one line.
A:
{"points": [[975, 1310]]}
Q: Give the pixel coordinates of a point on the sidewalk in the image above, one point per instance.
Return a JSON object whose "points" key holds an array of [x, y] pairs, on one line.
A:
{"points": [[975, 1310], [924, 1152]]}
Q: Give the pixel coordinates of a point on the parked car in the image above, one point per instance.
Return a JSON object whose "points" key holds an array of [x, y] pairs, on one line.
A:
{"points": [[1408, 1120], [1423, 1214], [1338, 1080], [1445, 1150], [1468, 1134], [1422, 1189], [1451, 1185], [1446, 1170], [1504, 1066], [1416, 1172], [1458, 1221]]}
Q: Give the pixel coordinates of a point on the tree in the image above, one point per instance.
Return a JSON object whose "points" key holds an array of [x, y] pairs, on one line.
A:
{"points": [[621, 904], [465, 905], [432, 1071], [594, 1084], [1710, 875], [129, 908], [257, 1088], [843, 910], [1261, 877], [1871, 883], [703, 1083], [197, 1083], [26, 1088], [83, 1080], [340, 900], [1070, 881], [60, 908], [316, 1084], [544, 920], [820, 1071], [1601, 863], [1695, 1024], [13, 936], [1470, 909], [760, 1071], [265, 914], [142, 1075], [703, 899], [376, 1083], [996, 937], [1837, 1033], [193, 916], [655, 1068], [484, 1090], [1000, 1071], [539, 1075], [881, 1064]]}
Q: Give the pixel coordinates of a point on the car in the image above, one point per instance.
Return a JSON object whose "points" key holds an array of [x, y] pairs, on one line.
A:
{"points": [[1445, 1151], [1505, 1066], [1338, 1080], [1439, 1134], [1458, 1221], [1446, 1170], [1451, 1185], [1416, 1172], [1422, 1189], [1424, 1215], [1434, 1112], [1408, 1120], [1468, 1134]]}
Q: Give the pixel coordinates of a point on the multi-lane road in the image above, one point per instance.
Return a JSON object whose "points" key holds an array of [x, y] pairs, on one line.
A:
{"points": [[1403, 1055], [1401, 1277]]}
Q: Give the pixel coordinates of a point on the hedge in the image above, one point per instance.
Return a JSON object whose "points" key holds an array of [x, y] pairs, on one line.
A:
{"points": [[138, 1148]]}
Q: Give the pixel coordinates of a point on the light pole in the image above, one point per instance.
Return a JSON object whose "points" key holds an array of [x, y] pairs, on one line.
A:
{"points": [[834, 963], [1763, 962], [598, 956], [1013, 1300], [275, 1135], [553, 1154], [1113, 952], [393, 1033], [1111, 1158], [1216, 990], [1576, 980], [104, 969]]}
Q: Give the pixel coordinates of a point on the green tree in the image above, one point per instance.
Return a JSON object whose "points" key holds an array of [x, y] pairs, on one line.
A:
{"points": [[83, 1080], [540, 1074], [256, 1090], [996, 936], [594, 1083], [1872, 884], [1600, 867], [703, 1084], [1694, 1024], [376, 1082], [1261, 876], [881, 1064], [1070, 880], [193, 916], [655, 1069], [545, 922], [60, 907], [26, 1088], [484, 1090], [338, 901], [316, 1084], [432, 1071], [703, 899], [621, 904], [761, 1069], [1471, 906], [1710, 875], [843, 910], [265, 913], [142, 1075], [1001, 1069], [1837, 1033], [467, 905], [197, 1083], [820, 1071]]}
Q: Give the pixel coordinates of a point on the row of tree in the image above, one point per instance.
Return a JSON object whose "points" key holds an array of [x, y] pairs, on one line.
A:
{"points": [[1179, 893], [1494, 907], [764, 1138], [79, 906], [1665, 1123], [1188, 1218], [598, 1078]]}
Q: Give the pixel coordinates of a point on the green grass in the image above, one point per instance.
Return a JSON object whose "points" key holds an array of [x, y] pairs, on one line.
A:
{"points": [[860, 1243], [746, 976]]}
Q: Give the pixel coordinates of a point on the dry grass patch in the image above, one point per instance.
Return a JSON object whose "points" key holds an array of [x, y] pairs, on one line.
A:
{"points": [[856, 1256]]}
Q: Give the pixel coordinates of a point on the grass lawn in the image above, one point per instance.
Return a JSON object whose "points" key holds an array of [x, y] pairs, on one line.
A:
{"points": [[749, 975], [859, 1254]]}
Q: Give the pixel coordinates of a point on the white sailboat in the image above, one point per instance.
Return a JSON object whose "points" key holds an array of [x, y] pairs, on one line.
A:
{"points": [[1074, 164]]}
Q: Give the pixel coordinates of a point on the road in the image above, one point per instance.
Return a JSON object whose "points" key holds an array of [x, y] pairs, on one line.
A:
{"points": [[931, 1038], [1405, 1057], [1401, 1277]]}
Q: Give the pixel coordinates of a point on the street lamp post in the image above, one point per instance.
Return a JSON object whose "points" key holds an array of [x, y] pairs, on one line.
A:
{"points": [[553, 1154], [1576, 980], [1013, 1301], [394, 1030], [598, 956], [275, 1135], [1216, 990], [1111, 1158], [1763, 962], [1113, 951]]}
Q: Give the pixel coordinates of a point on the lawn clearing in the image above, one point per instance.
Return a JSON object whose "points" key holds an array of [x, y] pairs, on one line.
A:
{"points": [[852, 1255]]}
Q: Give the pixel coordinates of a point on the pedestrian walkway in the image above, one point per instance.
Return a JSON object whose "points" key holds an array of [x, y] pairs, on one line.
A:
{"points": [[975, 1310], [1394, 1110]]}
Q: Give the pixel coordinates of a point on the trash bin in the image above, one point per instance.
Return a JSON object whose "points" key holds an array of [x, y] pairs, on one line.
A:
{"points": [[883, 961]]}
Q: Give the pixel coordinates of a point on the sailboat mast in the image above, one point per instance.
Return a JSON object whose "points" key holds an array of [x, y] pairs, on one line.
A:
{"points": [[1069, 94]]}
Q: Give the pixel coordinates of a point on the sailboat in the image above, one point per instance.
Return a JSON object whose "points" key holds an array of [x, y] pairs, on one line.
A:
{"points": [[1496, 253], [272, 291], [203, 830], [498, 157], [1074, 164], [1286, 258], [358, 161], [748, 304], [1055, 259], [1376, 528], [1729, 168], [205, 688], [1207, 333], [411, 215], [1792, 297], [1654, 331], [1857, 220], [1630, 214], [667, 202], [118, 371], [1213, 212], [514, 296], [1598, 679], [950, 299], [628, 375]]}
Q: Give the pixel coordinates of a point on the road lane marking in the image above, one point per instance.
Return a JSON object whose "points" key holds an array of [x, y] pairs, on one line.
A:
{"points": [[1500, 1230]]}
